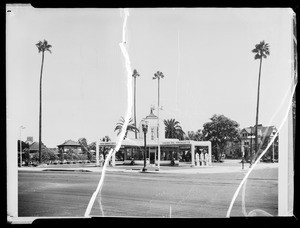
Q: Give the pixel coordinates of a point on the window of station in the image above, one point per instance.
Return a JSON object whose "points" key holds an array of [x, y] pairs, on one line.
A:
{"points": [[169, 153], [128, 153], [138, 153], [120, 155], [184, 154]]}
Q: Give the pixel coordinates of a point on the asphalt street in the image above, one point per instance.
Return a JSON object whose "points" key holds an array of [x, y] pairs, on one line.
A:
{"points": [[206, 195]]}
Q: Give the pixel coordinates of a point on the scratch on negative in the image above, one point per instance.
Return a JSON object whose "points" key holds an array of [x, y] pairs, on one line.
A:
{"points": [[127, 116]]}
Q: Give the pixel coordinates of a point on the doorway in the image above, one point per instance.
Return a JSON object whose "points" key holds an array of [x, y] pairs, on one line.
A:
{"points": [[152, 155]]}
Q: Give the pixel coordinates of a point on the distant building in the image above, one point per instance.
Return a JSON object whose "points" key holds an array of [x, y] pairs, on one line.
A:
{"points": [[29, 140], [69, 144], [34, 147], [264, 135]]}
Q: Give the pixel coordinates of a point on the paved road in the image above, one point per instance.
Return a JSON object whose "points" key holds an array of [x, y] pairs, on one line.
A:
{"points": [[63, 193]]}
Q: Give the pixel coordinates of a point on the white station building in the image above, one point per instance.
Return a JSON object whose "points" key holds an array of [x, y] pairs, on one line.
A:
{"points": [[172, 151]]}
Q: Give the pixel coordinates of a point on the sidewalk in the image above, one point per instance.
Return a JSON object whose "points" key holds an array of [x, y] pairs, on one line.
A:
{"points": [[228, 166]]}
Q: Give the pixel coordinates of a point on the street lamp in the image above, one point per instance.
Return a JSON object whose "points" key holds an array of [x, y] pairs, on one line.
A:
{"points": [[145, 129], [21, 127]]}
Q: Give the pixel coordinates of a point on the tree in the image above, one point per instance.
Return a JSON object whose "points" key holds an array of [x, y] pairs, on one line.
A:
{"points": [[196, 136], [92, 146], [220, 130], [47, 155], [173, 130], [261, 51], [85, 148], [130, 127], [106, 139], [103, 149], [42, 47], [25, 147], [83, 144], [135, 75]]}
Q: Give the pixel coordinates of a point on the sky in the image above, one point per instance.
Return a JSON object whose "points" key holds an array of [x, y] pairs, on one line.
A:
{"points": [[204, 54]]}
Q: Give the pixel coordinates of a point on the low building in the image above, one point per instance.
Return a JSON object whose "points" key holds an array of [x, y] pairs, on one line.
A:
{"points": [[264, 136], [70, 145], [172, 151], [34, 147], [33, 150]]}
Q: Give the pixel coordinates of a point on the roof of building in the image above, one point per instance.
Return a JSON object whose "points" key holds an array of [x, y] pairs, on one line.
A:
{"points": [[262, 131], [35, 146], [151, 115], [69, 143]]}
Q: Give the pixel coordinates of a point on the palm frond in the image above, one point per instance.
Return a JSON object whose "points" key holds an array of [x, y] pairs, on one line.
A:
{"points": [[135, 73], [257, 56], [261, 50], [43, 46]]}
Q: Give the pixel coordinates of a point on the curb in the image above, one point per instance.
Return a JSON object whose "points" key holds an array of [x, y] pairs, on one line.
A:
{"points": [[182, 170]]}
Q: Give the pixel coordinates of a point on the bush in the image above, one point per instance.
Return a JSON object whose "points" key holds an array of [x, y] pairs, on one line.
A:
{"points": [[47, 155]]}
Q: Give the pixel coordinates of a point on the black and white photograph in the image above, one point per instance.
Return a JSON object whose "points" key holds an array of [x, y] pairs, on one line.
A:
{"points": [[150, 112]]}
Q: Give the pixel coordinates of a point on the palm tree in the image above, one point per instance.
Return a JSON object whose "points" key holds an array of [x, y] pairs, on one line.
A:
{"points": [[130, 127], [261, 51], [105, 139], [158, 75], [135, 74], [173, 130], [196, 136], [104, 149], [42, 47]]}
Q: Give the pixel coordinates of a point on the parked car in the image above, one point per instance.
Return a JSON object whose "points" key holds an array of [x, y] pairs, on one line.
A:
{"points": [[55, 162], [266, 159]]}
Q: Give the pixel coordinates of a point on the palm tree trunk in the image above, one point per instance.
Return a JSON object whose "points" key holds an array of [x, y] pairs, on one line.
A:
{"points": [[257, 108], [158, 93], [158, 146], [135, 106], [40, 114]]}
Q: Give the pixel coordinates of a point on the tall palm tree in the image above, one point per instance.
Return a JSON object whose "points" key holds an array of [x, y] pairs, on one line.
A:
{"points": [[173, 130], [135, 74], [130, 127], [42, 47], [261, 51], [158, 75], [105, 139]]}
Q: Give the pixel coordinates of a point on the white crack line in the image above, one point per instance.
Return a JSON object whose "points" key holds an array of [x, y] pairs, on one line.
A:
{"points": [[262, 154], [126, 119]]}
